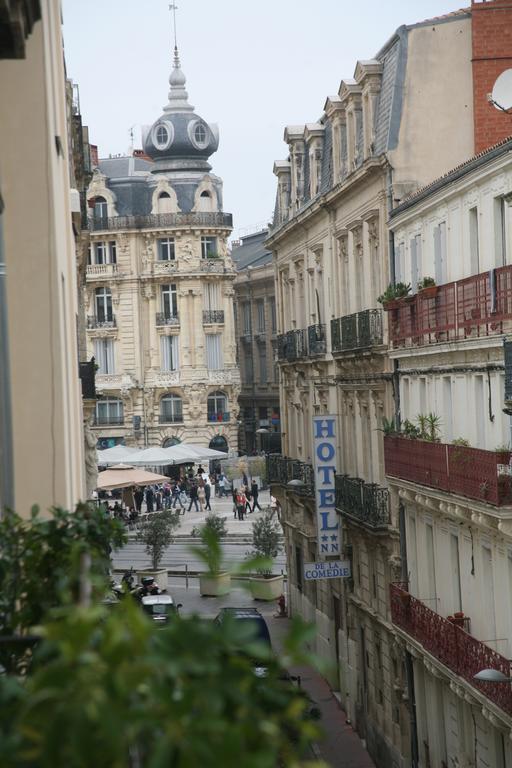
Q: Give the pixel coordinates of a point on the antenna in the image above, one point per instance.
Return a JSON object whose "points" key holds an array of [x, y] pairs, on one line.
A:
{"points": [[173, 7], [131, 138]]}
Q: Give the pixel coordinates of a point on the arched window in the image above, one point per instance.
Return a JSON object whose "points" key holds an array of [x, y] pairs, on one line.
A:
{"points": [[100, 209], [205, 194], [218, 407], [219, 443], [200, 134], [170, 441], [109, 412], [164, 203], [103, 305], [171, 409], [205, 202]]}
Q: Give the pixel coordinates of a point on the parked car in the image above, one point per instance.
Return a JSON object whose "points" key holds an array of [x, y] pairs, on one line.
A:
{"points": [[161, 608], [253, 618]]}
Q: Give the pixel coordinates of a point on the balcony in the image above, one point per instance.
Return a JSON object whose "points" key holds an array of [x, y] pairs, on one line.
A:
{"points": [[87, 373], [281, 469], [470, 472], [292, 345], [362, 330], [97, 322], [220, 416], [477, 306], [211, 316], [317, 344], [167, 220], [100, 271], [108, 420], [366, 503], [162, 318], [450, 644], [170, 418]]}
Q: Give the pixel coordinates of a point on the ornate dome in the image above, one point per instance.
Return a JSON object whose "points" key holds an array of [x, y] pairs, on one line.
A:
{"points": [[180, 139]]}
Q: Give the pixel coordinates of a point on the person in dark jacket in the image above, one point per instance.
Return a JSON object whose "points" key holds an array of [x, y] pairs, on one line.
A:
{"points": [[193, 497], [149, 498], [254, 493], [138, 498]]}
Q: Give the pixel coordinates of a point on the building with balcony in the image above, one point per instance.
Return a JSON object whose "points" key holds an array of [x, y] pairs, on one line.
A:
{"points": [[256, 338], [449, 467], [159, 288], [373, 147]]}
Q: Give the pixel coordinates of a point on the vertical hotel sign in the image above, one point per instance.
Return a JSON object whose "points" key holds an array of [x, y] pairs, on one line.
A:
{"points": [[325, 465]]}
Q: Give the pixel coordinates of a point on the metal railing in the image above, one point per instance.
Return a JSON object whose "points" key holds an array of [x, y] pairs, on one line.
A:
{"points": [[213, 316], [281, 469], [220, 416], [108, 420], [367, 503], [317, 343], [292, 345], [450, 644], [96, 322], [170, 418], [361, 330], [162, 318], [159, 220]]}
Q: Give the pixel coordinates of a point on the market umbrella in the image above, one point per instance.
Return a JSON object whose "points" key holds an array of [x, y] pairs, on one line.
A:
{"points": [[115, 455], [187, 453], [207, 453], [123, 476], [151, 457]]}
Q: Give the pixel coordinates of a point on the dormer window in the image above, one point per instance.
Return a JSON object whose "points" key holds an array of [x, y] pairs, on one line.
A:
{"points": [[205, 194], [199, 134], [162, 135]]}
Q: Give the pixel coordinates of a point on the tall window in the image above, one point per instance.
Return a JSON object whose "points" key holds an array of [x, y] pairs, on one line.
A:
{"points": [[100, 208], [102, 252], [248, 367], [273, 316], [263, 363], [211, 296], [170, 351], [416, 267], [440, 252], [109, 410], [169, 301], [217, 406], [166, 249], [103, 302], [246, 309], [104, 355], [214, 352], [208, 247], [171, 409], [473, 241], [260, 309], [500, 231], [164, 203]]}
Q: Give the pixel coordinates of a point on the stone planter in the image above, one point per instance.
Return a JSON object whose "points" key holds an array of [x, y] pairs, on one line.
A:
{"points": [[267, 589], [160, 577], [214, 585]]}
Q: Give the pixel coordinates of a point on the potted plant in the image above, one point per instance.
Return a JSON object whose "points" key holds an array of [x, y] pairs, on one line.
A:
{"points": [[392, 296], [216, 581], [410, 430], [502, 454], [430, 427], [266, 541], [157, 534], [427, 288]]}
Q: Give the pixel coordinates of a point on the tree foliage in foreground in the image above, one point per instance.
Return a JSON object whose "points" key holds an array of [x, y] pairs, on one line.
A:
{"points": [[108, 690]]}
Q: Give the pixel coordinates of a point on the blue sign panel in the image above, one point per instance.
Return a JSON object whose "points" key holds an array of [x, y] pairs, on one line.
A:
{"points": [[325, 466]]}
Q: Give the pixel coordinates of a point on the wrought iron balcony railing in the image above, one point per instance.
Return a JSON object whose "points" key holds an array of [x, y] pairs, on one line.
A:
{"points": [[213, 316], [281, 469], [480, 305], [292, 345], [87, 373], [470, 472], [220, 416], [167, 220], [170, 418], [450, 644], [317, 344], [367, 503], [162, 318], [108, 420], [362, 330], [101, 322]]}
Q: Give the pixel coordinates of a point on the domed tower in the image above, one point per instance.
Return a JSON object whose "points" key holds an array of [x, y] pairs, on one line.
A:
{"points": [[160, 288]]}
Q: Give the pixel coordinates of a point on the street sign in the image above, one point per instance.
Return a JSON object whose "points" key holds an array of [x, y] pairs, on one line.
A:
{"points": [[325, 465], [327, 569]]}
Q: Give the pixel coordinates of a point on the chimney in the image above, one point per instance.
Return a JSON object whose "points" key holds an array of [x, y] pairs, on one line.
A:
{"points": [[492, 55]]}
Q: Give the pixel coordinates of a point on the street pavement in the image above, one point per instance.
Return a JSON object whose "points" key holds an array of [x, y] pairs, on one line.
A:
{"points": [[340, 746]]}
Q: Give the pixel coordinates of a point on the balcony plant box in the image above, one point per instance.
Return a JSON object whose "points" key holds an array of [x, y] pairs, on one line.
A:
{"points": [[430, 292], [387, 306]]}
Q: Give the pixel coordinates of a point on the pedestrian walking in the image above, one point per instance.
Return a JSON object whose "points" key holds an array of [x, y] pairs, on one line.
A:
{"points": [[241, 503], [207, 492], [201, 495], [222, 485], [255, 492], [193, 497], [166, 496], [176, 496], [149, 498], [247, 494], [158, 497], [138, 498]]}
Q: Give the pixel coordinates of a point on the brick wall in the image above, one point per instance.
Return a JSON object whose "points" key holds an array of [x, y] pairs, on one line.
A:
{"points": [[492, 54]]}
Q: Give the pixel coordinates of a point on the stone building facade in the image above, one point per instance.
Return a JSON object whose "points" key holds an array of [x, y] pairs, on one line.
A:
{"points": [[159, 288], [256, 334], [374, 145]]}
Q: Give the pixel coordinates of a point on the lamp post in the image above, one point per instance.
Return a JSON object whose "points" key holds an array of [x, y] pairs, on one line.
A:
{"points": [[261, 432]]}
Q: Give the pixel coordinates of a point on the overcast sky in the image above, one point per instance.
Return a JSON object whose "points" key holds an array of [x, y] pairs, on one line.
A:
{"points": [[252, 67]]}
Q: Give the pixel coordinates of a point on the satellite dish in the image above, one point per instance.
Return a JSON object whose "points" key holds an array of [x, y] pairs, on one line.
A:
{"points": [[502, 91]]}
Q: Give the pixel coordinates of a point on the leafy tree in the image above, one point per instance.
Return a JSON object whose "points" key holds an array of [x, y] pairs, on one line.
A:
{"points": [[266, 538], [157, 533], [212, 522]]}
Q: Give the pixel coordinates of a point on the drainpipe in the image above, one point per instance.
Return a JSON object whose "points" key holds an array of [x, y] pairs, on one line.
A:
{"points": [[392, 275], [6, 447]]}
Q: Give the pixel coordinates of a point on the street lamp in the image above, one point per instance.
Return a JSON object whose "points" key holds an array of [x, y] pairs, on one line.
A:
{"points": [[296, 483], [492, 676], [262, 431]]}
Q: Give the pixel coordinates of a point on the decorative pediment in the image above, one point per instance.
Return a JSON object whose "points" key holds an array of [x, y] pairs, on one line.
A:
{"points": [[349, 90], [365, 70], [293, 133]]}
